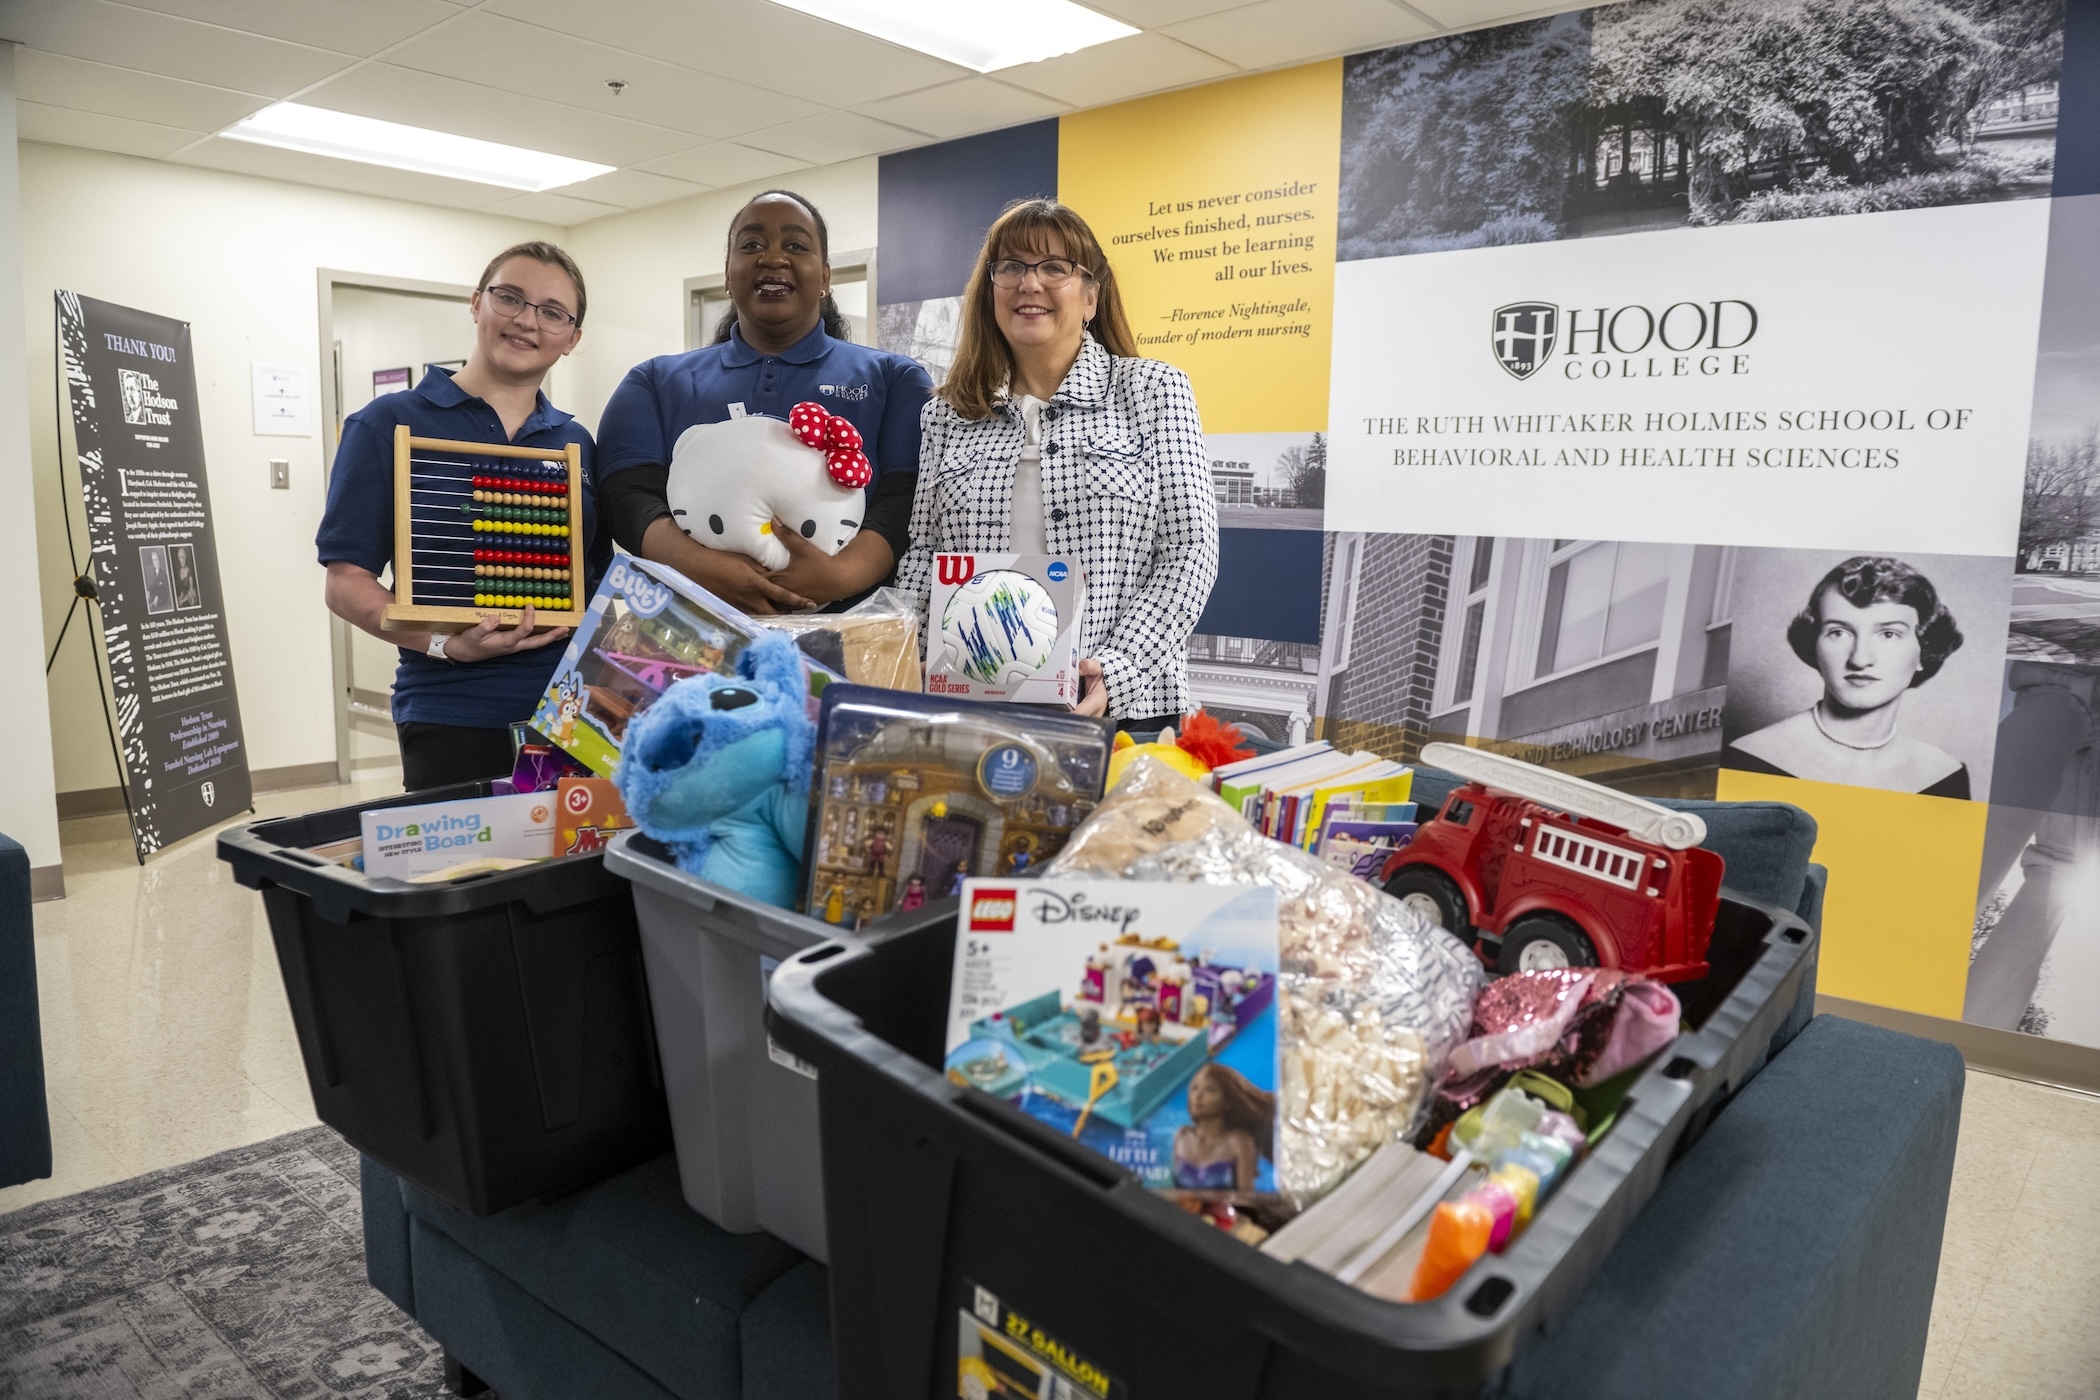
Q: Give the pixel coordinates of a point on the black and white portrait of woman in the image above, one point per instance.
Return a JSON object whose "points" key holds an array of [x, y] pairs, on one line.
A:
{"points": [[1849, 690]]}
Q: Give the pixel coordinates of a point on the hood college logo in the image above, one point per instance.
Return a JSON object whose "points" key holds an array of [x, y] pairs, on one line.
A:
{"points": [[1524, 335]]}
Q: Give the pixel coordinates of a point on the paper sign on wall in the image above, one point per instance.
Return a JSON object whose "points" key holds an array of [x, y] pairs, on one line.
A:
{"points": [[283, 404]]}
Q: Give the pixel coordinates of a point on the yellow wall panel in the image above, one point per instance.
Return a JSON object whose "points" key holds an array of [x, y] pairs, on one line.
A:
{"points": [[1217, 208], [1902, 901]]}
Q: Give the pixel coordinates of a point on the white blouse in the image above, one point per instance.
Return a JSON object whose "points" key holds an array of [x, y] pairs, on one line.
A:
{"points": [[1028, 479]]}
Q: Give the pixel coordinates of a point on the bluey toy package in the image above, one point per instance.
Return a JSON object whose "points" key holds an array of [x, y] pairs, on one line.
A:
{"points": [[913, 795], [1136, 1017], [405, 842], [1005, 627], [647, 627]]}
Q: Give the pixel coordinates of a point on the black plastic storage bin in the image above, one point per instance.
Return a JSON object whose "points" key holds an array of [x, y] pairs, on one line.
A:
{"points": [[489, 1038], [944, 1202]]}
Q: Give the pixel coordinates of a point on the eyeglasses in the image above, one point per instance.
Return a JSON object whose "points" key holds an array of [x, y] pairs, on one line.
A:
{"points": [[551, 318], [1053, 272]]}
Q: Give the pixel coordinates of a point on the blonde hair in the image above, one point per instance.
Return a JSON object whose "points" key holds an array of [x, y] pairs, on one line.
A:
{"points": [[984, 363]]}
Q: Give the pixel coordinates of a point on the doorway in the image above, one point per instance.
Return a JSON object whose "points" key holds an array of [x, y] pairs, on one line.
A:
{"points": [[378, 336]]}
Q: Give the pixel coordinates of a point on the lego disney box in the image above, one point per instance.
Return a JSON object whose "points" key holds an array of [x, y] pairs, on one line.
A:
{"points": [[1005, 627], [1136, 1017]]}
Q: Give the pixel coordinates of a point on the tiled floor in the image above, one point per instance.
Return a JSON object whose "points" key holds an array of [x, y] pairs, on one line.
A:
{"points": [[166, 1038]]}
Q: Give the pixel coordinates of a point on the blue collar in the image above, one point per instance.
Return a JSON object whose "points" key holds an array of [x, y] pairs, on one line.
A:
{"points": [[806, 351], [437, 386]]}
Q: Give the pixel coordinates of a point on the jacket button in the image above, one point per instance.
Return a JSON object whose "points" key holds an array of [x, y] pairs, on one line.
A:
{"points": [[1051, 449], [1058, 514]]}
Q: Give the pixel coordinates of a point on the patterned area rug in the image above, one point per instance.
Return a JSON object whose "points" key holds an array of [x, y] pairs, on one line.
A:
{"points": [[242, 1275]]}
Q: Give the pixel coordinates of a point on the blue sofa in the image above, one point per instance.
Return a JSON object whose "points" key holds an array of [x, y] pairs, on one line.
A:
{"points": [[1797, 1242], [25, 1118]]}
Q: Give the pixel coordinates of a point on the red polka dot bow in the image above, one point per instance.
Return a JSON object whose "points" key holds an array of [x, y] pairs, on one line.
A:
{"points": [[837, 439]]}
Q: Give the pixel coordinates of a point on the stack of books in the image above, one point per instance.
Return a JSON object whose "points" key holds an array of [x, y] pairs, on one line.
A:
{"points": [[1349, 807]]}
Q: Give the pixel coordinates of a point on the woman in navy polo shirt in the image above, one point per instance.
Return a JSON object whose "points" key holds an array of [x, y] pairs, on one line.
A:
{"points": [[456, 696], [783, 343]]}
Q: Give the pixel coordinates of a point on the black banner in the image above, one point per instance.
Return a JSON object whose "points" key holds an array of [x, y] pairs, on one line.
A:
{"points": [[140, 448]]}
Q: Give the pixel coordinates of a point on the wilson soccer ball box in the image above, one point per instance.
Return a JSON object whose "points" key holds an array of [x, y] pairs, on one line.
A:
{"points": [[1005, 627]]}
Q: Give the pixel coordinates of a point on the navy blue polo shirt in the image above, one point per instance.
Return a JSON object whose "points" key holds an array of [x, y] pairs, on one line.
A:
{"points": [[357, 527], [878, 392]]}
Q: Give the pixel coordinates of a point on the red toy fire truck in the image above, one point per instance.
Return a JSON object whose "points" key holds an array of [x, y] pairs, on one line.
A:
{"points": [[1540, 870]]}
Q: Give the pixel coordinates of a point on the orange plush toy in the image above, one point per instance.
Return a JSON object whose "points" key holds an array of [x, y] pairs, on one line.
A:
{"points": [[1202, 745]]}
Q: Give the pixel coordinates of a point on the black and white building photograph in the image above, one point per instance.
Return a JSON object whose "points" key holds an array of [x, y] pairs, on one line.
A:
{"points": [[1866, 669], [1604, 658], [1269, 481], [2056, 589], [1669, 113]]}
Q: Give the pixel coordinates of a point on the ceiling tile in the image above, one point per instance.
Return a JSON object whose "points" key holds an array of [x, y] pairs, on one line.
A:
{"points": [[1474, 14], [743, 39], [353, 177], [177, 48], [964, 108], [124, 92], [493, 114], [633, 189], [525, 57], [362, 28], [832, 136], [1156, 14], [1117, 70], [1278, 32], [551, 208], [66, 126], [724, 163]]}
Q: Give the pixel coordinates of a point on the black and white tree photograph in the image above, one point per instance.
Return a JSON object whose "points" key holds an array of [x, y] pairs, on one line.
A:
{"points": [[1673, 113]]}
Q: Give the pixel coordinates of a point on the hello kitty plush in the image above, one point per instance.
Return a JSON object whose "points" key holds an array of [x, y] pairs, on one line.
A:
{"points": [[729, 481]]}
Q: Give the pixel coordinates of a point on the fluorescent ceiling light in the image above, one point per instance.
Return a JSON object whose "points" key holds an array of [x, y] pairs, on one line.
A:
{"points": [[324, 132], [978, 34]]}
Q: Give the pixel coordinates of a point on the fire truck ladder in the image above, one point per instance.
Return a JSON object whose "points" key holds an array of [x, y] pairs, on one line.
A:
{"points": [[1578, 797]]}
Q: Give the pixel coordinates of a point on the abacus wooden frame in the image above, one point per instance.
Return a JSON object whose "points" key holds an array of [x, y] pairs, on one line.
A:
{"points": [[435, 618]]}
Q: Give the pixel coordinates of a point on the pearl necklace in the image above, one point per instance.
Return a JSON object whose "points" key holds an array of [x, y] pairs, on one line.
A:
{"points": [[1815, 713]]}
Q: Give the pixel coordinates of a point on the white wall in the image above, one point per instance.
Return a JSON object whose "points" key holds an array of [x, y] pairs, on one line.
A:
{"points": [[27, 810], [236, 257], [636, 265]]}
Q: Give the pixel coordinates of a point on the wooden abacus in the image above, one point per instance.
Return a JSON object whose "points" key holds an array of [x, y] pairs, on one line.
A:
{"points": [[475, 538]]}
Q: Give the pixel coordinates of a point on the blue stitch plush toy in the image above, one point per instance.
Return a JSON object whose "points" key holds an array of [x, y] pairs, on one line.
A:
{"points": [[718, 770]]}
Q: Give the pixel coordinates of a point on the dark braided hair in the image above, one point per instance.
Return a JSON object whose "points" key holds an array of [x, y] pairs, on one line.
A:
{"points": [[1866, 579], [835, 323]]}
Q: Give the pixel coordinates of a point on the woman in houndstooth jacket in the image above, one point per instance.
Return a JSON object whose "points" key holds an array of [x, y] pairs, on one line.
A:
{"points": [[1051, 435]]}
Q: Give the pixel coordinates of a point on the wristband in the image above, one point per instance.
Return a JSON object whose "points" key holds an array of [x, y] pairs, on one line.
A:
{"points": [[437, 645]]}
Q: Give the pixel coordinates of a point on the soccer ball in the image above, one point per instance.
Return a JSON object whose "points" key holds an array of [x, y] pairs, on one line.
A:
{"points": [[998, 629]]}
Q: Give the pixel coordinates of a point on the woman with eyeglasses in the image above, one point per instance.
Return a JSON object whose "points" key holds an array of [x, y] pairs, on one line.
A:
{"points": [[456, 695], [783, 343], [1050, 435]]}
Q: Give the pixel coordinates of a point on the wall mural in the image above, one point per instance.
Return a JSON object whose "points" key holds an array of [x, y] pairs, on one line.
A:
{"points": [[1704, 399]]}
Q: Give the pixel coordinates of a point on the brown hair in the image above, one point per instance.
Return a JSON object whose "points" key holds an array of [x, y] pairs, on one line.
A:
{"points": [[1249, 1108], [984, 363], [544, 252]]}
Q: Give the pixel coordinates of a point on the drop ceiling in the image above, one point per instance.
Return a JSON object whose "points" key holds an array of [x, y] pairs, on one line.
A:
{"points": [[682, 96]]}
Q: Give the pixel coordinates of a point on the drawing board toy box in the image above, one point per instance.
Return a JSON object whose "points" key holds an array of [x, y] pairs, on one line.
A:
{"points": [[1078, 1001], [404, 842], [912, 795], [1005, 627], [647, 628]]}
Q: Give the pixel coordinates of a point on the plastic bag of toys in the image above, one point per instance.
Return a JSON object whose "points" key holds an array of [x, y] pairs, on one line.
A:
{"points": [[874, 642], [1372, 997]]}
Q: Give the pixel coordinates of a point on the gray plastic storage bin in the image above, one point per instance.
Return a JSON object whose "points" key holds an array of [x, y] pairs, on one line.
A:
{"points": [[743, 1110]]}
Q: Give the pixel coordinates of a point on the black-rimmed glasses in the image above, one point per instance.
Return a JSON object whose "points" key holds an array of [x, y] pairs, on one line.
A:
{"points": [[551, 318], [1052, 272]]}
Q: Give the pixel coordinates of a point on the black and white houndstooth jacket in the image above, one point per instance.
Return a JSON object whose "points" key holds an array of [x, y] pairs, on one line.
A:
{"points": [[1126, 491]]}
